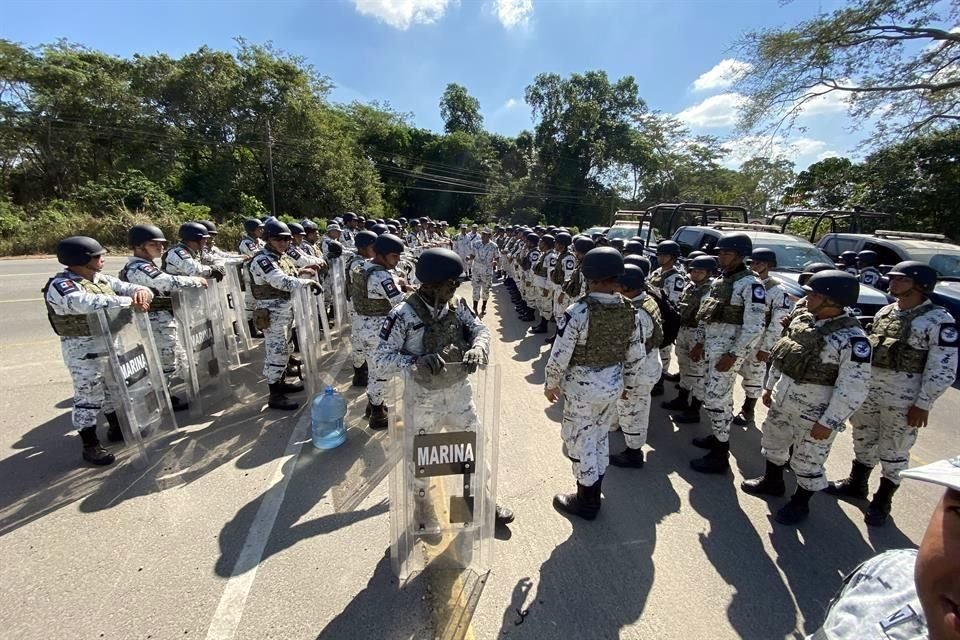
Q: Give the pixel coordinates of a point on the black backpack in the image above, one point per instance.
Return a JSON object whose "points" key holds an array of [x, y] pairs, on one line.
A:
{"points": [[670, 316]]}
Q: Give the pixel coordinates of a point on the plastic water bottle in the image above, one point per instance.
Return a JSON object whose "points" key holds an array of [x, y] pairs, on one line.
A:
{"points": [[326, 419]]}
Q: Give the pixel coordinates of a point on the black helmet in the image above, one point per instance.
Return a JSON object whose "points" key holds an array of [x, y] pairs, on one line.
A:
{"points": [[296, 228], [703, 262], [548, 240], [438, 265], [849, 258], [251, 224], [812, 268], [923, 275], [868, 258], [533, 237], [634, 247], [380, 229], [638, 261], [211, 227], [695, 254], [402, 220], [387, 243], [583, 244], [765, 255], [392, 228], [276, 229], [840, 286], [618, 244], [140, 233], [192, 231], [369, 224], [563, 238], [309, 225], [77, 251], [739, 242], [669, 248], [349, 215], [602, 263], [364, 239], [632, 278], [334, 249]]}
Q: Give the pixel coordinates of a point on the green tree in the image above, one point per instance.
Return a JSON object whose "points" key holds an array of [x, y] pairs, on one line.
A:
{"points": [[832, 183], [762, 184], [460, 111]]}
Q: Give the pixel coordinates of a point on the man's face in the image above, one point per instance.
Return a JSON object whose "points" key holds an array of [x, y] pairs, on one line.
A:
{"points": [[664, 260], [154, 249], [257, 233], [698, 275], [297, 239], [760, 267], [937, 571], [728, 259], [391, 260], [279, 245], [334, 234], [485, 238], [96, 263], [313, 235], [900, 286]]}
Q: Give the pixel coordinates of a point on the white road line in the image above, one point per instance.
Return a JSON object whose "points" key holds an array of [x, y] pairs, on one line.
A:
{"points": [[22, 275], [22, 300]]}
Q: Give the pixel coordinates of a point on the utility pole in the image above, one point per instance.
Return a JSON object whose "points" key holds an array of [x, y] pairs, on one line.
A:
{"points": [[273, 197]]}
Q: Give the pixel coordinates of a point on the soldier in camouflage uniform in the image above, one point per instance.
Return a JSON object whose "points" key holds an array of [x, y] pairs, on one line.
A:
{"points": [[701, 270], [78, 290], [530, 256], [274, 276], [563, 268], [731, 320], [819, 374], [363, 241], [147, 242], [250, 245], [183, 258], [575, 286], [212, 254], [914, 362], [485, 256], [754, 367], [429, 329], [633, 409], [597, 356], [869, 274], [540, 290], [668, 281]]}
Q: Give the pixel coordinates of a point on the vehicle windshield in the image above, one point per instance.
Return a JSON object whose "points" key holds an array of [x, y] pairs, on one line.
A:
{"points": [[627, 232], [946, 260], [794, 257]]}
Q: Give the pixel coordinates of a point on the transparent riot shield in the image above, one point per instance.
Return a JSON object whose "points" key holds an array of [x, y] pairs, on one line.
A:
{"points": [[231, 292], [202, 333], [339, 293], [307, 324], [320, 302], [444, 485], [134, 379]]}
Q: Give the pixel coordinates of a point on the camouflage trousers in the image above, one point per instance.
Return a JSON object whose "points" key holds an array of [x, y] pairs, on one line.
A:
{"points": [[753, 372], [791, 416], [172, 354], [633, 412], [718, 395], [249, 302], [482, 281], [90, 394], [691, 373], [276, 339], [587, 418], [881, 434], [546, 300], [560, 302], [367, 332], [666, 357]]}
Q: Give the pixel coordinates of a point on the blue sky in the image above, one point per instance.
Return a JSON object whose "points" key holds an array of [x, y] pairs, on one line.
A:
{"points": [[406, 51]]}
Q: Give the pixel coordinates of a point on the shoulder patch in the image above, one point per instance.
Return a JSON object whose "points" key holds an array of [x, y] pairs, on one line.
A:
{"points": [[65, 286], [266, 264], [869, 277], [390, 288], [786, 301], [182, 253], [149, 269], [948, 335], [387, 328], [678, 284], [758, 293], [294, 253], [860, 350]]}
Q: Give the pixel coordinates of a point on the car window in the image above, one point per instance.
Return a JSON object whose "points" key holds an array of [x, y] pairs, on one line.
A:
{"points": [[885, 253], [945, 260], [834, 245], [688, 239], [794, 256], [708, 242]]}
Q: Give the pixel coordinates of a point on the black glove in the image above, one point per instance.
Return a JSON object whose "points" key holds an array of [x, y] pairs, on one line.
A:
{"points": [[472, 359], [217, 273], [433, 362], [315, 288]]}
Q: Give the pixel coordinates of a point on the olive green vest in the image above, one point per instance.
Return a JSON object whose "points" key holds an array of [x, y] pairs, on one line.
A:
{"points": [[267, 291], [649, 305], [889, 336], [574, 285], [690, 300], [717, 307], [160, 301], [362, 302], [797, 354], [443, 336], [608, 337], [556, 276], [74, 324], [540, 268], [657, 279]]}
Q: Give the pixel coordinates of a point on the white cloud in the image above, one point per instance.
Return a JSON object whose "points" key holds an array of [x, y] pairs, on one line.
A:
{"points": [[513, 13], [833, 102], [723, 74], [400, 14], [511, 103], [716, 111], [802, 151]]}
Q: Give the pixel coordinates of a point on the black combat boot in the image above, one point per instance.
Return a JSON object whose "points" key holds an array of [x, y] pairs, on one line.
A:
{"points": [[769, 484], [286, 387], [630, 458], [254, 332], [278, 398], [797, 509], [585, 503], [680, 403], [855, 485], [92, 451], [378, 417], [114, 433], [657, 389], [178, 403], [716, 461], [503, 516], [360, 376], [746, 412], [879, 510], [706, 442], [483, 308], [475, 312], [692, 413], [541, 327]]}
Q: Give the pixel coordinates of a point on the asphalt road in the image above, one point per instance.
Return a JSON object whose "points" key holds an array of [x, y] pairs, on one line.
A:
{"points": [[241, 531]]}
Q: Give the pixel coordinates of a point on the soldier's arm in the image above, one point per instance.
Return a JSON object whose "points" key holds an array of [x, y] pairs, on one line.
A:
{"points": [[275, 277], [389, 354], [853, 380], [780, 309], [383, 284], [568, 331], [636, 353], [772, 376], [125, 288], [149, 275], [674, 288], [479, 334], [754, 299], [940, 371], [67, 294]]}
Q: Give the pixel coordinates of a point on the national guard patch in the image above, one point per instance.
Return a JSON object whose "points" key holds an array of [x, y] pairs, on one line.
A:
{"points": [[65, 287], [293, 253], [390, 288], [869, 278], [860, 350], [387, 327], [786, 301], [149, 269], [948, 335], [182, 253], [678, 284], [266, 264], [562, 326], [759, 293]]}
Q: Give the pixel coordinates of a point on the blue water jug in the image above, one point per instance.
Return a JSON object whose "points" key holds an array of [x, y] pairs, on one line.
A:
{"points": [[326, 419]]}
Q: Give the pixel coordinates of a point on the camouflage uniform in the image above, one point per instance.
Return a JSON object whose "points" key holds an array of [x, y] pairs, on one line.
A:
{"points": [[179, 260], [274, 277], [670, 283], [305, 255], [374, 292], [728, 326], [870, 276], [691, 373], [819, 373], [529, 289], [485, 258], [590, 393], [634, 410], [778, 308], [249, 247], [68, 294], [566, 263], [880, 431], [546, 286], [164, 325]]}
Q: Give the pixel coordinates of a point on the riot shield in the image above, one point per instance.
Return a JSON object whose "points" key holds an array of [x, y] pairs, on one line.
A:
{"points": [[308, 336], [134, 378], [320, 302], [443, 487], [339, 294], [231, 292], [202, 333]]}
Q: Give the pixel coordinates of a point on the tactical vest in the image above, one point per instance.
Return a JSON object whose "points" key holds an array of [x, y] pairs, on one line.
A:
{"points": [[889, 338], [690, 300], [797, 354], [610, 329], [556, 276], [650, 305], [362, 302], [267, 291], [74, 324], [540, 268], [160, 302], [443, 336], [657, 279], [717, 307], [574, 285]]}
